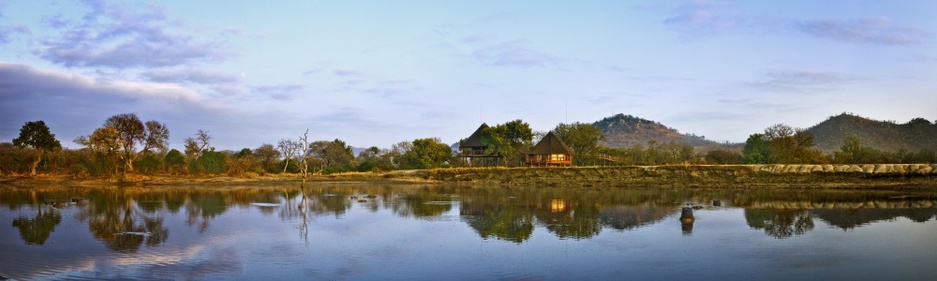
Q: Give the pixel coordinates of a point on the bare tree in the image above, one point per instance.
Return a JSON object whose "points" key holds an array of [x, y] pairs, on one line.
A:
{"points": [[288, 149], [195, 146], [304, 156]]}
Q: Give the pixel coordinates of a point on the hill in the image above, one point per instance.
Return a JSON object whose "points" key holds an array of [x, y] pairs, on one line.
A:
{"points": [[888, 136], [626, 131]]}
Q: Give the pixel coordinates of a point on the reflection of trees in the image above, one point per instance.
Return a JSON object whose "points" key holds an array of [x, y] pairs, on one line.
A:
{"points": [[36, 230], [421, 205], [203, 208], [780, 223], [502, 221], [852, 218], [624, 217], [122, 227]]}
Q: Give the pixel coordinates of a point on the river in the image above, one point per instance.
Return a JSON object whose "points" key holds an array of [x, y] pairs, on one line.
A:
{"points": [[412, 232]]}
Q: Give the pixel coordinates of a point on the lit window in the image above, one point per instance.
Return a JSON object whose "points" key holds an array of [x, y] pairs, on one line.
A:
{"points": [[557, 157]]}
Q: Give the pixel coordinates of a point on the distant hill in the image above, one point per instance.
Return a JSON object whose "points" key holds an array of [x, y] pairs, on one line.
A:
{"points": [[626, 131], [887, 136]]}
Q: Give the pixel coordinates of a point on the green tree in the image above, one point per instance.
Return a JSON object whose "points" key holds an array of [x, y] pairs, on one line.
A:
{"points": [[174, 161], [508, 139], [372, 159], [582, 138], [428, 153], [36, 135], [852, 152], [211, 162], [757, 150], [336, 156]]}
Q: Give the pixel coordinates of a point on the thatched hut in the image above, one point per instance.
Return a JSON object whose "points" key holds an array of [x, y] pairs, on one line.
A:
{"points": [[550, 151], [471, 149]]}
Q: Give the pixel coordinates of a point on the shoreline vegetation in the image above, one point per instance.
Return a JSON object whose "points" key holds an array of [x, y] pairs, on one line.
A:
{"points": [[868, 176]]}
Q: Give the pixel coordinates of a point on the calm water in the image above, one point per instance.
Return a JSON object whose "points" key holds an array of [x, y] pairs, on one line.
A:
{"points": [[364, 232]]}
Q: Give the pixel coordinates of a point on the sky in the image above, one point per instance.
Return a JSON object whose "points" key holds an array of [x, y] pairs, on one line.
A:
{"points": [[375, 73]]}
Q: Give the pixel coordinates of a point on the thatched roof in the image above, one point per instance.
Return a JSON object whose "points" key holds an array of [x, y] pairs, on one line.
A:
{"points": [[475, 140], [550, 144]]}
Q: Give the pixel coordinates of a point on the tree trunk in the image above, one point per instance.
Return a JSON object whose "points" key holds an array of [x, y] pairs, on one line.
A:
{"points": [[287, 164], [32, 170]]}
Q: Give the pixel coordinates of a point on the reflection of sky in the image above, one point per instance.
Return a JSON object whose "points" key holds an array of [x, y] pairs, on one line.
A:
{"points": [[246, 243]]}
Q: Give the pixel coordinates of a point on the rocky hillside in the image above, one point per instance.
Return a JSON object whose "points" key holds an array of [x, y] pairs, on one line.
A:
{"points": [[889, 136], [625, 131]]}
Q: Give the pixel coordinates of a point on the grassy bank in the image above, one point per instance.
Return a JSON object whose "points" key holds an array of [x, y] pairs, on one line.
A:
{"points": [[799, 176], [740, 176]]}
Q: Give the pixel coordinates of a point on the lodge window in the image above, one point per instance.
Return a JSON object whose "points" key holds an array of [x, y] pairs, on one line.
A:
{"points": [[557, 157]]}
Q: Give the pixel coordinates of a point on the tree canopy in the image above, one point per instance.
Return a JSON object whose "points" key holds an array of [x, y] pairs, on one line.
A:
{"points": [[36, 135], [582, 138]]}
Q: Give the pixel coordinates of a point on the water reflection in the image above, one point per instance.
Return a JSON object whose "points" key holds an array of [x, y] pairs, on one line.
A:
{"points": [[36, 230], [126, 219], [780, 223]]}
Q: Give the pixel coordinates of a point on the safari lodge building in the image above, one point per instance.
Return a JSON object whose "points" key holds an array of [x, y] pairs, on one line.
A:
{"points": [[550, 151]]}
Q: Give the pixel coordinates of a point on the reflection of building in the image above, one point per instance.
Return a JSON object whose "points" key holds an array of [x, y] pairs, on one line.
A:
{"points": [[550, 151]]}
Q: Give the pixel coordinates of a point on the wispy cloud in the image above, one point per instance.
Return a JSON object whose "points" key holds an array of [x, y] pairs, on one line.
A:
{"points": [[119, 37], [870, 30], [278, 92], [801, 81], [701, 18], [513, 53], [190, 75], [8, 31]]}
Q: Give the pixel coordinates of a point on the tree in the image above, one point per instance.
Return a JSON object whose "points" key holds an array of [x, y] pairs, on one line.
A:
{"points": [[242, 162], [133, 132], [722, 156], [371, 159], [105, 141], [428, 153], [174, 161], [505, 139], [757, 150], [304, 156], [791, 146], [268, 156], [335, 155], [195, 146], [36, 135], [582, 138], [288, 149]]}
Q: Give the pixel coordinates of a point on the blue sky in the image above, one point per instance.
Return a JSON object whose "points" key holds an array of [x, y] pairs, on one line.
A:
{"points": [[374, 73]]}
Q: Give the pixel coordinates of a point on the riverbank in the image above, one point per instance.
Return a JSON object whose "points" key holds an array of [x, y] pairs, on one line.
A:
{"points": [[693, 176]]}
